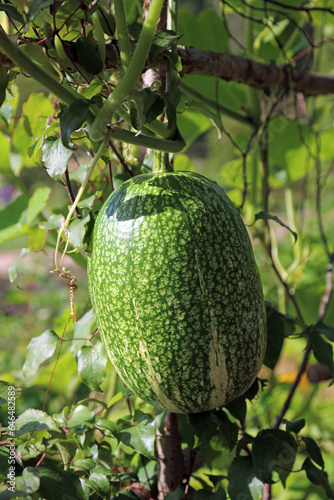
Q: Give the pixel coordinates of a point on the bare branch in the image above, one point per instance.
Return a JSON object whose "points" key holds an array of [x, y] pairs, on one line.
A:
{"points": [[258, 75]]}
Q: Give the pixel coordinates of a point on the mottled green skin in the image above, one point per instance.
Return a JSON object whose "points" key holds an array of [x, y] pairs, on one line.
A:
{"points": [[176, 292]]}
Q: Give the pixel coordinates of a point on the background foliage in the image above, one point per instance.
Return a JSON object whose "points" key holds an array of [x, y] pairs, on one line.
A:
{"points": [[95, 439]]}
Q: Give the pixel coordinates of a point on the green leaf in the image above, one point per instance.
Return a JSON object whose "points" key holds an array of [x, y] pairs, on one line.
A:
{"points": [[88, 56], [325, 330], [5, 167], [29, 481], [55, 157], [13, 270], [72, 119], [275, 336], [78, 231], [81, 416], [162, 40], [237, 408], [39, 350], [100, 484], [228, 430], [34, 420], [37, 202], [12, 12], [36, 6], [243, 482], [317, 476], [83, 329], [204, 425], [3, 392], [58, 484], [314, 451], [108, 425], [296, 426], [322, 350], [265, 216], [107, 21], [67, 449], [3, 84], [264, 453], [92, 362], [140, 437]]}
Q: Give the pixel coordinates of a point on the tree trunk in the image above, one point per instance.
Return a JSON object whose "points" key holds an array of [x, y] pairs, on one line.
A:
{"points": [[170, 461]]}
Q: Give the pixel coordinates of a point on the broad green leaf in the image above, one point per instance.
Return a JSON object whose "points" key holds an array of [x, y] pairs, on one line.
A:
{"points": [[275, 336], [205, 32], [264, 452], [326, 330], [296, 426], [81, 416], [3, 392], [318, 477], [228, 430], [86, 464], [37, 202], [108, 425], [57, 484], [55, 157], [162, 40], [265, 216], [237, 408], [37, 238], [37, 109], [72, 119], [204, 425], [29, 481], [67, 449], [99, 484], [92, 362], [12, 12], [192, 124], [93, 89], [140, 437], [83, 329], [322, 350], [36, 6], [34, 420], [314, 451], [88, 56], [12, 213], [107, 21], [243, 482], [39, 350], [78, 231]]}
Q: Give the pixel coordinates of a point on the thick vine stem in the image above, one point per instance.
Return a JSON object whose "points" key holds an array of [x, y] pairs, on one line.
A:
{"points": [[132, 74], [65, 93]]}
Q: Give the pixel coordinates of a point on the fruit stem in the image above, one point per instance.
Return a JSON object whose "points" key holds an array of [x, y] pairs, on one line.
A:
{"points": [[161, 162]]}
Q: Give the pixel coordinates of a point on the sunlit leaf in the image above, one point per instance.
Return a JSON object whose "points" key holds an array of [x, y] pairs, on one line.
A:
{"points": [[37, 202], [39, 350], [243, 482], [140, 437], [34, 420], [55, 157], [92, 362]]}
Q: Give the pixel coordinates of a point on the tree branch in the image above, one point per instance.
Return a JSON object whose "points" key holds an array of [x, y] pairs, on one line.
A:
{"points": [[263, 76]]}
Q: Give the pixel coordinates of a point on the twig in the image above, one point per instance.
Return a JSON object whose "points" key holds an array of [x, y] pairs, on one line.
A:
{"points": [[69, 190]]}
